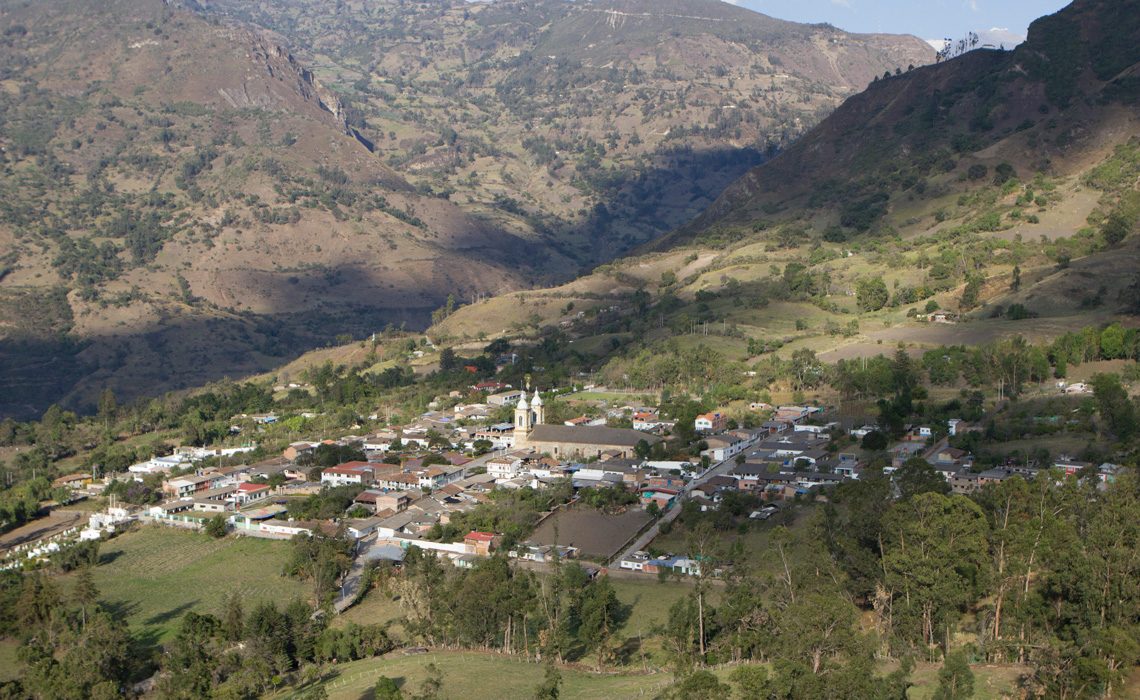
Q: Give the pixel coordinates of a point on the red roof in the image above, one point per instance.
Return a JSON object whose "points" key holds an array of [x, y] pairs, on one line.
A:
{"points": [[247, 487], [480, 536]]}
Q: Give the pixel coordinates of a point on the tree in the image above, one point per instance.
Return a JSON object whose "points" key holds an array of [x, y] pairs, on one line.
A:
{"points": [[917, 476], [1115, 228], [320, 559], [935, 561], [971, 291], [448, 360], [871, 293], [108, 407], [642, 449], [807, 370], [681, 633], [386, 689], [816, 628], [1117, 412], [955, 679], [85, 594], [874, 441], [551, 686], [752, 682], [1112, 342], [1015, 282], [233, 621], [216, 527], [599, 616]]}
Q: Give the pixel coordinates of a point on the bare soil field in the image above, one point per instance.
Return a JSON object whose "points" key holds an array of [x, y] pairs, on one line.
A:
{"points": [[58, 521], [597, 535]]}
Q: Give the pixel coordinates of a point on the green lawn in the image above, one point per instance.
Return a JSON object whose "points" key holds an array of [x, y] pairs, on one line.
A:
{"points": [[154, 575]]}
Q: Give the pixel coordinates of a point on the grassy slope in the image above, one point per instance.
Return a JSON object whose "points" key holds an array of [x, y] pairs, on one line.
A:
{"points": [[482, 676], [154, 575], [488, 676]]}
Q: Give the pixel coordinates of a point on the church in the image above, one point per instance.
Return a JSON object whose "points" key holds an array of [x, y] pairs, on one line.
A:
{"points": [[565, 442]]}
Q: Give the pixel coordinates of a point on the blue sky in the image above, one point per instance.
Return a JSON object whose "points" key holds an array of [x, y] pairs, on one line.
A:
{"points": [[932, 19]]}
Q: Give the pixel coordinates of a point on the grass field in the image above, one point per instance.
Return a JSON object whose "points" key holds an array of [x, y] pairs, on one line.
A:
{"points": [[376, 608], [474, 676], [991, 682], [649, 601], [756, 540], [10, 666], [615, 397], [154, 575]]}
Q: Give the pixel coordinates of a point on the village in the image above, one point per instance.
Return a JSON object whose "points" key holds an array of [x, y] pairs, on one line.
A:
{"points": [[413, 480]]}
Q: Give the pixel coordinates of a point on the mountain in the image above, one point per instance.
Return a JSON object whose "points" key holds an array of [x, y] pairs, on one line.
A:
{"points": [[193, 190], [1041, 106], [1002, 186], [596, 125], [183, 200]]}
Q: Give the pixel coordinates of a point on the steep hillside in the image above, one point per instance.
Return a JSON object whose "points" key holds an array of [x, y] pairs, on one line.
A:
{"points": [[597, 125], [1002, 187], [180, 199], [1045, 107]]}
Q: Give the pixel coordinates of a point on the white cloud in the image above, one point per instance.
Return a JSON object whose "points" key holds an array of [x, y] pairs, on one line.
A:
{"points": [[841, 3]]}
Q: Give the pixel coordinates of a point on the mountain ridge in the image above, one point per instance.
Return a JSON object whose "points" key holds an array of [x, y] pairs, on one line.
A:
{"points": [[1034, 82], [188, 196]]}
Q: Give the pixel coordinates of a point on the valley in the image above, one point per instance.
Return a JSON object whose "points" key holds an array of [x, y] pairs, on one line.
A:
{"points": [[190, 200], [407, 350]]}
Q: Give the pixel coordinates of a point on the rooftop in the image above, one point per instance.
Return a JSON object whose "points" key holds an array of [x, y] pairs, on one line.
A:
{"points": [[590, 435]]}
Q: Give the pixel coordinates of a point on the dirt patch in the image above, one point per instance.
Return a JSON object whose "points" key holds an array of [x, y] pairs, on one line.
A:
{"points": [[597, 535], [53, 524], [925, 336]]}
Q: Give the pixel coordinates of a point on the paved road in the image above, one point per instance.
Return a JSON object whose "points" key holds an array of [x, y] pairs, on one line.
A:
{"points": [[349, 588], [719, 469]]}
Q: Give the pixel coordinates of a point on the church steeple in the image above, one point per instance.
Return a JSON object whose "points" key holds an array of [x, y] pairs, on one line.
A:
{"points": [[538, 410], [523, 416]]}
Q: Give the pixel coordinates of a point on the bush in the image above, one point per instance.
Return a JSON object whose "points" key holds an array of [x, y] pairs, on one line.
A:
{"points": [[216, 527]]}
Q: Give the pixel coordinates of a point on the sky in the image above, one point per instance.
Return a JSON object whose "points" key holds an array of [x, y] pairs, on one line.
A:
{"points": [[929, 19]]}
